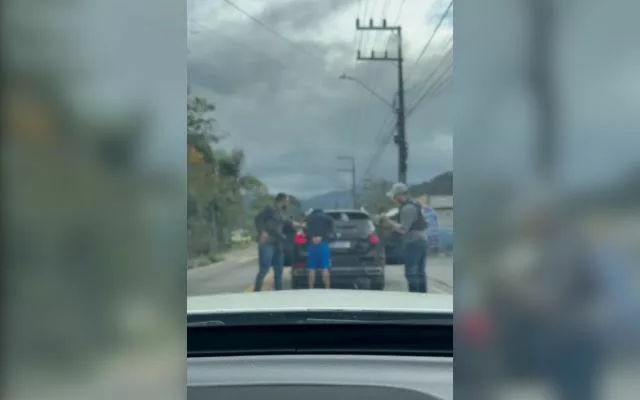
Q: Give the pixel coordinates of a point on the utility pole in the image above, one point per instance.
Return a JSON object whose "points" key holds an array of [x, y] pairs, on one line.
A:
{"points": [[352, 169], [401, 138], [542, 85]]}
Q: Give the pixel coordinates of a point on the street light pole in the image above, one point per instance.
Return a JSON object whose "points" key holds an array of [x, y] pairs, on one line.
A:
{"points": [[353, 177], [368, 89]]}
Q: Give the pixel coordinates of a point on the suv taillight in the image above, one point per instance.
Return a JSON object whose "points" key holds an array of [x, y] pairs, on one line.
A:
{"points": [[300, 238], [374, 239]]}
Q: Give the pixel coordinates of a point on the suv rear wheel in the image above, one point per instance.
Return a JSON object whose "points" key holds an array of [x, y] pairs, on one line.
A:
{"points": [[377, 283], [298, 283]]}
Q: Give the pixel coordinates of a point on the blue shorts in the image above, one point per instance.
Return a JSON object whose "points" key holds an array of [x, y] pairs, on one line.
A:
{"points": [[319, 256]]}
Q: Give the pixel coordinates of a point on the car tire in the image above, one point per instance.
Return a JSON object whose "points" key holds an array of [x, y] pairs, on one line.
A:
{"points": [[377, 283], [298, 283], [362, 284]]}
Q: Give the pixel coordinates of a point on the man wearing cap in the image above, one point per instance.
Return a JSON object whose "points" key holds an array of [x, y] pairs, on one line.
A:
{"points": [[412, 227]]}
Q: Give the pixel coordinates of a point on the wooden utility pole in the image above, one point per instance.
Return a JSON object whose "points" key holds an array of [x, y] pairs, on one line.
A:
{"points": [[401, 137], [543, 85]]}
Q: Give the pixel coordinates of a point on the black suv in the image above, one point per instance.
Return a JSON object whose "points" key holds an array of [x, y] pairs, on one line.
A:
{"points": [[357, 254], [392, 240]]}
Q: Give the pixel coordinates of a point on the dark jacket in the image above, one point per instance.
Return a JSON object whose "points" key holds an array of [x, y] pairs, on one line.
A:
{"points": [[270, 220], [320, 224]]}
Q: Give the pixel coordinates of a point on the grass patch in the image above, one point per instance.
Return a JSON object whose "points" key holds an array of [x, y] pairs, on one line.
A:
{"points": [[204, 260], [241, 246]]}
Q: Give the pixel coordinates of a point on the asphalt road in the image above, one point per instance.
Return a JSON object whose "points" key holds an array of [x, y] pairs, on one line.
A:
{"points": [[237, 275]]}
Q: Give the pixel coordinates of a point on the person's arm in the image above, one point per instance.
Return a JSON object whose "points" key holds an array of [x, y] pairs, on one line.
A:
{"points": [[259, 223], [332, 228], [288, 227], [394, 225], [407, 216]]}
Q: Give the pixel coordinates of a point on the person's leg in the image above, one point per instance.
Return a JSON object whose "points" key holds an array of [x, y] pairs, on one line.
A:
{"points": [[325, 259], [265, 257], [278, 267], [577, 372], [411, 258], [421, 268], [312, 264]]}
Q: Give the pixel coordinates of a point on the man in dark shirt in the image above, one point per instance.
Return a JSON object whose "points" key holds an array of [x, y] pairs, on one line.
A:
{"points": [[269, 224], [412, 227], [320, 229]]}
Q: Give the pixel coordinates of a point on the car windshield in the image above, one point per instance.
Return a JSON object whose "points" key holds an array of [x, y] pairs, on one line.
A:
{"points": [[287, 191]]}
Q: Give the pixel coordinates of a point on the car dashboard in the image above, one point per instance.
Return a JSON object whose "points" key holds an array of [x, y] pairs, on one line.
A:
{"points": [[320, 377], [320, 355]]}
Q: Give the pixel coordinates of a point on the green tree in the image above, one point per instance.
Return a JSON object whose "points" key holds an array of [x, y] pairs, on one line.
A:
{"points": [[217, 182]]}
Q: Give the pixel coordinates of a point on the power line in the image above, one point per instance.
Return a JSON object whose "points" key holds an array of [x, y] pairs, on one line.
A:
{"points": [[385, 8], [399, 11], [384, 138], [271, 30], [378, 153], [426, 80], [364, 15], [398, 14], [400, 139], [441, 81], [356, 117], [438, 84], [435, 31], [397, 18], [303, 80]]}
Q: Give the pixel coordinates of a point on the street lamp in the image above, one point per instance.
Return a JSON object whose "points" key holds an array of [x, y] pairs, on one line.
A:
{"points": [[344, 76]]}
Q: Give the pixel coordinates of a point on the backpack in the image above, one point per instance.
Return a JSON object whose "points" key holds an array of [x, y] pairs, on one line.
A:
{"points": [[420, 224]]}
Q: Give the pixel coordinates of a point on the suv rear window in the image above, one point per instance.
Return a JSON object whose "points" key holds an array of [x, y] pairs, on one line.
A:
{"points": [[348, 216], [357, 219]]}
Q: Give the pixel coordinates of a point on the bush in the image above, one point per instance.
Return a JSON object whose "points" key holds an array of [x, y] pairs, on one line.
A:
{"points": [[200, 238]]}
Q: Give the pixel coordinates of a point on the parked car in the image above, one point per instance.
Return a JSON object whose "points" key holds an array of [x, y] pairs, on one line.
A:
{"points": [[392, 240], [357, 255]]}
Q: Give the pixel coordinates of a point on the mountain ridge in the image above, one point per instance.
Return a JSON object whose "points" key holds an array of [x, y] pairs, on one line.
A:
{"points": [[440, 185]]}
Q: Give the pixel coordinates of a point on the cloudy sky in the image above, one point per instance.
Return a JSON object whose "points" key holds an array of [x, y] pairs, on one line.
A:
{"points": [[274, 81]]}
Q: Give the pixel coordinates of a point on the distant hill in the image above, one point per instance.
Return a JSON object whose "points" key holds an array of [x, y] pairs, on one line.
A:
{"points": [[441, 185]]}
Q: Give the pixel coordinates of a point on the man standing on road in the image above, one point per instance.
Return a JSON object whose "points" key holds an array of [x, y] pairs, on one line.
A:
{"points": [[413, 228], [269, 225], [320, 229]]}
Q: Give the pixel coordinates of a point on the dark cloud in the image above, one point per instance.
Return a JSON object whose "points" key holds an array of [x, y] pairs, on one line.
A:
{"points": [[291, 114], [302, 14]]}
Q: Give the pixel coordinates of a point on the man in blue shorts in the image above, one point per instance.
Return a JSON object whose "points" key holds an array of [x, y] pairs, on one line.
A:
{"points": [[320, 229]]}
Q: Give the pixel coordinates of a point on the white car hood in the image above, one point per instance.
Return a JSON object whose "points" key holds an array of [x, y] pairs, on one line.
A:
{"points": [[320, 300]]}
